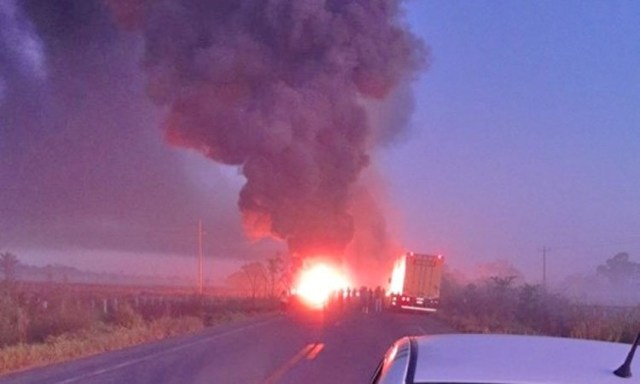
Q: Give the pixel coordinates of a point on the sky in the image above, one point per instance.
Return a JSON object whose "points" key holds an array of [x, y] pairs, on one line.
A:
{"points": [[525, 134]]}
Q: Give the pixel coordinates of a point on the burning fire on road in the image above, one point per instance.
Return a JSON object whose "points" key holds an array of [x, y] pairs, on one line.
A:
{"points": [[318, 282], [397, 276]]}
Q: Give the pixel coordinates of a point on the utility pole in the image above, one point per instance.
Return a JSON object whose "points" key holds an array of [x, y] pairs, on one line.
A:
{"points": [[200, 256], [544, 266]]}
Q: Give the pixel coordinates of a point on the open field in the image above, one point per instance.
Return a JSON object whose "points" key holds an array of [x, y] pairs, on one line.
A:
{"points": [[45, 323]]}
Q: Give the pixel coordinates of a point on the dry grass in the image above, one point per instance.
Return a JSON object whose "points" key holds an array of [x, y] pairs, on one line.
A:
{"points": [[527, 309], [33, 335], [97, 339]]}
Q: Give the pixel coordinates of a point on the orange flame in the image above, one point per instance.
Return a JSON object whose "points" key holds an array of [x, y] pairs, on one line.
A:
{"points": [[397, 276], [318, 282]]}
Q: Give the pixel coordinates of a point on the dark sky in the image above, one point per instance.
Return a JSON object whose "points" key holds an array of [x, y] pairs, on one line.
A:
{"points": [[83, 162]]}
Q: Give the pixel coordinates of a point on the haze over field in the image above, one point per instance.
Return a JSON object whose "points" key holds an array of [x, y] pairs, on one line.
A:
{"points": [[525, 133]]}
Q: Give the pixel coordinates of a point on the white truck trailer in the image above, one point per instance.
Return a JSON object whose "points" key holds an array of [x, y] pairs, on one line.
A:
{"points": [[415, 283]]}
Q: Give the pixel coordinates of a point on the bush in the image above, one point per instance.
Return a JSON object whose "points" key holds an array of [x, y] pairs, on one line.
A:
{"points": [[39, 327], [124, 316], [8, 321], [170, 326], [96, 339], [59, 320], [529, 309]]}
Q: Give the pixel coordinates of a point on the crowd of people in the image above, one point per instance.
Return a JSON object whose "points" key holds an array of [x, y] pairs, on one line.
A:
{"points": [[365, 299]]}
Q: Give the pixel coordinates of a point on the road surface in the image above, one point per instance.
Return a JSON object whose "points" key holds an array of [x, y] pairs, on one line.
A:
{"points": [[294, 348]]}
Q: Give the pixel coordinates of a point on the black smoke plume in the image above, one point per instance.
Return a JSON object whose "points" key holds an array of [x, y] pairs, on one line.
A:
{"points": [[277, 87]]}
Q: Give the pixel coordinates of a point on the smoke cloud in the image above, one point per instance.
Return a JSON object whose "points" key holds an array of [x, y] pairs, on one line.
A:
{"points": [[83, 170], [279, 89], [372, 248], [18, 38]]}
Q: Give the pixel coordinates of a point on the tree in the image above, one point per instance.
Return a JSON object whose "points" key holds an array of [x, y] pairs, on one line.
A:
{"points": [[286, 274], [256, 277], [238, 282], [275, 267], [500, 272], [502, 283], [620, 270]]}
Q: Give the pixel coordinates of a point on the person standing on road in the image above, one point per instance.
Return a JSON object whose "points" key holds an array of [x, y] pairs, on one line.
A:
{"points": [[364, 300], [378, 299], [372, 300]]}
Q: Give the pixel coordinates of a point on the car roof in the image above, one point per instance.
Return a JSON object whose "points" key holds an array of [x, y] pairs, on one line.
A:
{"points": [[471, 358]]}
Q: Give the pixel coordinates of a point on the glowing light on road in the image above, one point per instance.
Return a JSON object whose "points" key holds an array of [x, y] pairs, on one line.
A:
{"points": [[318, 282], [397, 276]]}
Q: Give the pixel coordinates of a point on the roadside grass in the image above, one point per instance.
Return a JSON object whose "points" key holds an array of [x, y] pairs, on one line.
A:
{"points": [[530, 310], [96, 339], [616, 328], [31, 336]]}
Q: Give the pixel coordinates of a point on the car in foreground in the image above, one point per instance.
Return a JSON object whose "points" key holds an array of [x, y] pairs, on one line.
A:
{"points": [[505, 359]]}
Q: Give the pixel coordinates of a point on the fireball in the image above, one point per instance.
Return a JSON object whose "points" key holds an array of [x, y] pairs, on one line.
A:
{"points": [[397, 276], [318, 282]]}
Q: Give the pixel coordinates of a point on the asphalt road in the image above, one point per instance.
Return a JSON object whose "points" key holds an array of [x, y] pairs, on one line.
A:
{"points": [[294, 348]]}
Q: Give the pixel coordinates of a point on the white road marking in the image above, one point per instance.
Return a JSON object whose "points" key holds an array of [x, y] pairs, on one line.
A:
{"points": [[163, 352], [315, 351], [284, 368]]}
